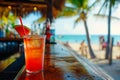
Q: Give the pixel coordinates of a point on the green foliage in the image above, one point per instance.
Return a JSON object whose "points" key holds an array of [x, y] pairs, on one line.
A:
{"points": [[12, 19], [68, 12], [7, 17], [79, 3], [113, 2]]}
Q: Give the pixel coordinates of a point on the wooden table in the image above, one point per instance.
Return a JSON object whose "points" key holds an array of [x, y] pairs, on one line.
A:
{"points": [[60, 63]]}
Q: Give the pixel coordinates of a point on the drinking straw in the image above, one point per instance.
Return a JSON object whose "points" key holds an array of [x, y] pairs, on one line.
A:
{"points": [[20, 18]]}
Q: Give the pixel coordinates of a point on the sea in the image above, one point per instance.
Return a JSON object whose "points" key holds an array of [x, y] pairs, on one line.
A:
{"points": [[79, 38]]}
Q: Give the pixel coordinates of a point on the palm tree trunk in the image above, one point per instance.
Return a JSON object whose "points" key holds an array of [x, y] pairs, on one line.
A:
{"points": [[88, 40], [109, 33]]}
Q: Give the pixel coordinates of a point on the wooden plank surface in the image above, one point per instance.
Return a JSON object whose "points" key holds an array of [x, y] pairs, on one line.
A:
{"points": [[59, 65]]}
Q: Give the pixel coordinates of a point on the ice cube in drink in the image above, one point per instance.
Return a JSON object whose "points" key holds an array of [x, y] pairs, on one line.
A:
{"points": [[34, 53]]}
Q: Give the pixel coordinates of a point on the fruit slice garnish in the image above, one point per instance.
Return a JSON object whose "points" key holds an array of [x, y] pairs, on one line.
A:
{"points": [[22, 30]]}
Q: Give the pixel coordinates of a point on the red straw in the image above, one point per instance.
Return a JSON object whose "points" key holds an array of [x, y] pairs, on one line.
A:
{"points": [[20, 18]]}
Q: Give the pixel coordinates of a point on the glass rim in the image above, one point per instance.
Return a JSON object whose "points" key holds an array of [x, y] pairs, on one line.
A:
{"points": [[28, 36]]}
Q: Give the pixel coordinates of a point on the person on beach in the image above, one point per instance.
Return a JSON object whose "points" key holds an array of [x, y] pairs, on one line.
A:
{"points": [[102, 42], [67, 44], [118, 43], [83, 48]]}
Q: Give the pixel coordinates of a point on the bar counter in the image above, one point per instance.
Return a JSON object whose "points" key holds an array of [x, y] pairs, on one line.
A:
{"points": [[60, 63]]}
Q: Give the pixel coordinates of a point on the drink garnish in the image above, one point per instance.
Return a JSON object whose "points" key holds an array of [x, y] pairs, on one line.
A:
{"points": [[22, 31]]}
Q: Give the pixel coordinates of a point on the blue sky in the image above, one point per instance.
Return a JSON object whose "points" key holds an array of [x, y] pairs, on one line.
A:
{"points": [[96, 25]]}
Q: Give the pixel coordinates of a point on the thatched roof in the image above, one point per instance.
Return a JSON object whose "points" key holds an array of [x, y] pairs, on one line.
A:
{"points": [[24, 7]]}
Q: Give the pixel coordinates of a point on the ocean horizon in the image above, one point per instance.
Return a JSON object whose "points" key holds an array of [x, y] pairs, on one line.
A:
{"points": [[79, 38]]}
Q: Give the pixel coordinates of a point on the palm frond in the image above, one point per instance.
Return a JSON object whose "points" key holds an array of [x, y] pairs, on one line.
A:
{"points": [[79, 3], [68, 12], [102, 7], [105, 16], [93, 4], [113, 2], [76, 21]]}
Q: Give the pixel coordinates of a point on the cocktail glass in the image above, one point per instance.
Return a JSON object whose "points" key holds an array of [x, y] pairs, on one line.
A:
{"points": [[34, 47]]}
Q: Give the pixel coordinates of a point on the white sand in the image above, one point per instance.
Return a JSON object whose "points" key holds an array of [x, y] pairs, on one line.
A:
{"points": [[114, 69], [100, 54]]}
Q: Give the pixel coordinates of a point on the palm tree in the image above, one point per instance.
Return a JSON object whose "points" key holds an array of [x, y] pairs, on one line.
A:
{"points": [[83, 17], [109, 4], [81, 8]]}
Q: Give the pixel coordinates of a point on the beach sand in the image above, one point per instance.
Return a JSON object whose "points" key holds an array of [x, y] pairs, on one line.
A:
{"points": [[114, 69], [100, 54]]}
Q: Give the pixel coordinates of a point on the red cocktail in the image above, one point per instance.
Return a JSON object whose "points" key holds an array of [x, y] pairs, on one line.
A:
{"points": [[34, 53]]}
